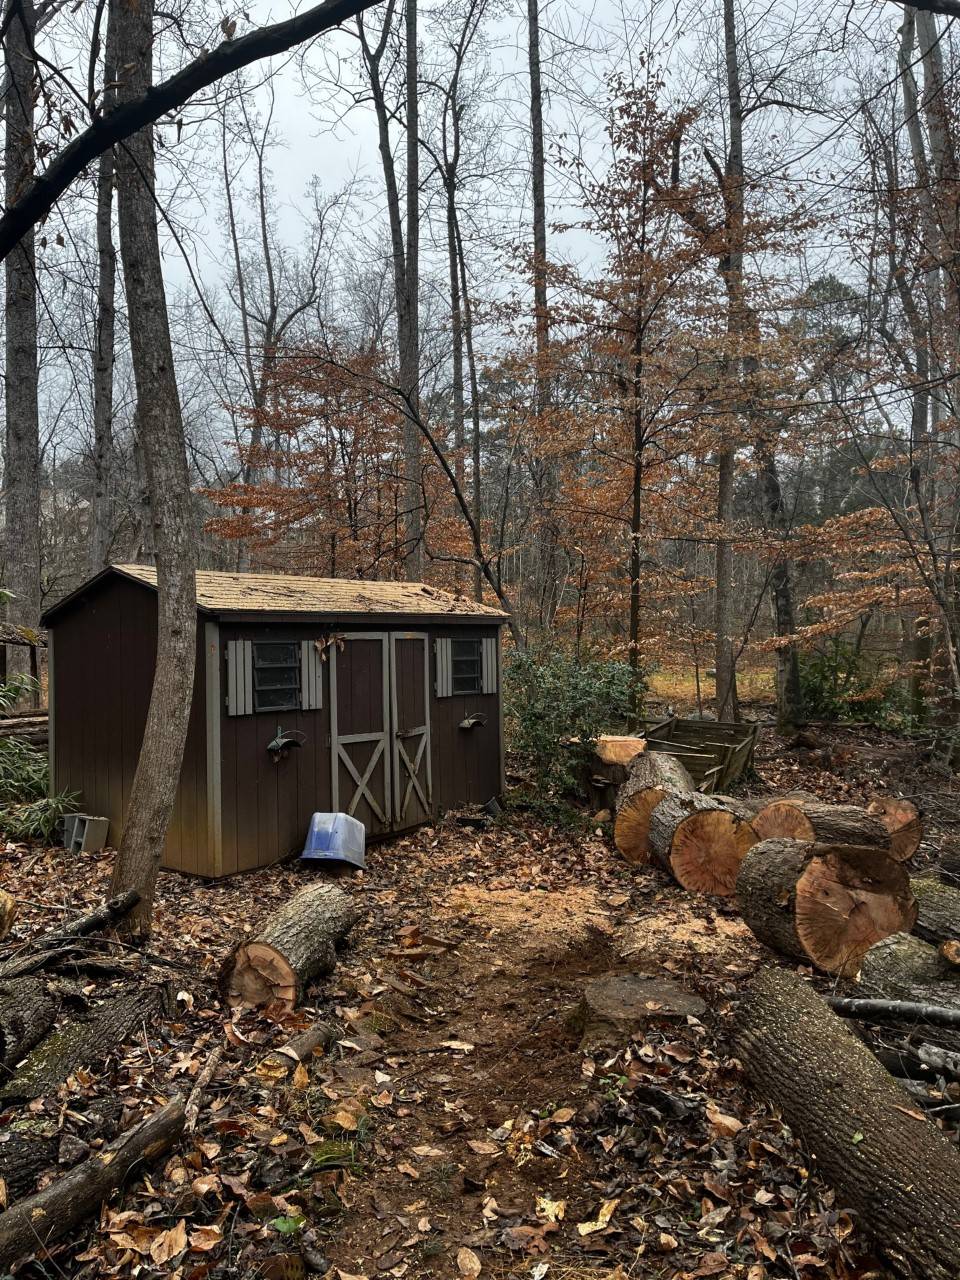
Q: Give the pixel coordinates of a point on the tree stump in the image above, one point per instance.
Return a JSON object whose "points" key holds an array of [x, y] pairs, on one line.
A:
{"points": [[802, 817], [701, 840], [894, 1168], [297, 943], [938, 911], [653, 775], [619, 1005], [823, 904], [902, 821]]}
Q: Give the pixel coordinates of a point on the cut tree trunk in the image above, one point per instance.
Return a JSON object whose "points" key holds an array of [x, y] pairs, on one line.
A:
{"points": [[27, 1013], [82, 1041], [938, 911], [701, 840], [608, 768], [904, 967], [297, 943], [899, 1173], [800, 817], [653, 775], [902, 821], [46, 1217], [825, 904]]}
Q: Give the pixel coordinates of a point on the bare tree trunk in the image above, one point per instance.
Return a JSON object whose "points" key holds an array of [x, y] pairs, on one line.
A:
{"points": [[789, 696], [22, 446], [160, 429], [103, 513], [410, 336], [732, 271]]}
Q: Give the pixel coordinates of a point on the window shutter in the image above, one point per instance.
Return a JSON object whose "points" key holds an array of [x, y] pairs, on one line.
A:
{"points": [[444, 669], [239, 677], [311, 676], [489, 664]]}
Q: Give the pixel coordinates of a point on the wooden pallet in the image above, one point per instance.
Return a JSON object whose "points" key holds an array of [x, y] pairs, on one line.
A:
{"points": [[716, 753]]}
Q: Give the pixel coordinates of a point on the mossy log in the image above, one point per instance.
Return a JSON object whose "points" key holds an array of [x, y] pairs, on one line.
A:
{"points": [[27, 1013], [800, 817], [40, 1220], [895, 1169], [296, 944], [81, 1041], [32, 1143], [938, 911], [823, 904], [701, 840], [653, 775]]}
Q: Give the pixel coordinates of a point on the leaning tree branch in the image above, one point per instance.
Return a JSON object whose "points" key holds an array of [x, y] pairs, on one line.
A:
{"points": [[123, 121], [949, 8]]}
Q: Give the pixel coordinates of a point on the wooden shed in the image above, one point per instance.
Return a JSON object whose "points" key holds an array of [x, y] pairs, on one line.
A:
{"points": [[379, 699]]}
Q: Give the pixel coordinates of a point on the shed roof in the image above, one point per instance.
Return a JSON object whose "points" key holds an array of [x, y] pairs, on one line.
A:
{"points": [[263, 593]]}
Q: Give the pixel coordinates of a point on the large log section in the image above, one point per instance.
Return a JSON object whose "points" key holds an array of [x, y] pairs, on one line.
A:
{"points": [[884, 1160], [801, 817], [653, 775], [297, 943], [938, 916], [702, 840], [904, 967], [821, 903]]}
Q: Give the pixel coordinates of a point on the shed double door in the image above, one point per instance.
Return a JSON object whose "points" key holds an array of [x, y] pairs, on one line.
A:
{"points": [[380, 728]]}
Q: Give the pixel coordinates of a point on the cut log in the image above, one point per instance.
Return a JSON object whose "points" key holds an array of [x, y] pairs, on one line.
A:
{"points": [[701, 840], [611, 749], [8, 912], [281, 1062], [800, 817], [823, 904], [26, 1015], [607, 767], [897, 1171], [620, 1005], [82, 1041], [902, 821], [938, 915], [297, 943], [904, 967], [653, 775], [42, 1219]]}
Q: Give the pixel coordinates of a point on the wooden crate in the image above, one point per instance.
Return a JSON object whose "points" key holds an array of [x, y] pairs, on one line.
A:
{"points": [[716, 753]]}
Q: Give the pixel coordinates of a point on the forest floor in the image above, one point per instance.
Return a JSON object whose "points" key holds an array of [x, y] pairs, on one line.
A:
{"points": [[459, 1127]]}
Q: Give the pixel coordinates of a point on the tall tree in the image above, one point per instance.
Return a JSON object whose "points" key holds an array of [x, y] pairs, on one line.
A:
{"points": [[160, 433], [22, 446]]}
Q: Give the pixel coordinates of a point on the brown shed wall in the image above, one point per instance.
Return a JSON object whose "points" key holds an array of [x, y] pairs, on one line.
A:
{"points": [[104, 651]]}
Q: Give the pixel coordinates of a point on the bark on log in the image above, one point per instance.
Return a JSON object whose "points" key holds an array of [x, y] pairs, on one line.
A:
{"points": [[950, 866], [8, 912], [904, 967], [799, 817], [31, 1145], [902, 821], [701, 840], [297, 943], [938, 915], [26, 1015], [653, 775], [900, 1174], [823, 904], [281, 1062], [82, 1041], [46, 1217]]}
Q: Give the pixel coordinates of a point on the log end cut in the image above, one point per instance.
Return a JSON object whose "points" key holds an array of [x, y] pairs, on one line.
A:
{"points": [[707, 850], [901, 818], [631, 834]]}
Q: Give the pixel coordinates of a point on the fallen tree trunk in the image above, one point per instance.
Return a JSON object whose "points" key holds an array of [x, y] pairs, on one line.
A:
{"points": [[950, 866], [27, 1013], [31, 1144], [701, 840], [902, 821], [899, 1173], [938, 911], [43, 1218], [82, 1041], [653, 775], [823, 904], [297, 943], [801, 817]]}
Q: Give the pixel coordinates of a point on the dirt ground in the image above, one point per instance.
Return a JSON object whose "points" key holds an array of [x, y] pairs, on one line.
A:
{"points": [[460, 1126]]}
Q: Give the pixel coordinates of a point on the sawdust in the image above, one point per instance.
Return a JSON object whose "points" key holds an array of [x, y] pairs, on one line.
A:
{"points": [[686, 935], [536, 923]]}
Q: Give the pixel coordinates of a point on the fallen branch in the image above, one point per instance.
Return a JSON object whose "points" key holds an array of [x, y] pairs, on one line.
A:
{"points": [[199, 1090], [43, 1218], [895, 1011]]}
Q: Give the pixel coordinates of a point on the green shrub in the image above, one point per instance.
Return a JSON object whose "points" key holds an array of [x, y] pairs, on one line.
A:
{"points": [[550, 699], [36, 819], [839, 682], [26, 811]]}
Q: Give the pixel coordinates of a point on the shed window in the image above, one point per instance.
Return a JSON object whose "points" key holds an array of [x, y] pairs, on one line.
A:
{"points": [[276, 677], [467, 660]]}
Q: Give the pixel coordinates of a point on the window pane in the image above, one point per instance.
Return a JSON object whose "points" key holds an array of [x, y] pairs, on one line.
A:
{"points": [[466, 684], [466, 666], [465, 649], [275, 678], [276, 699], [275, 655]]}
